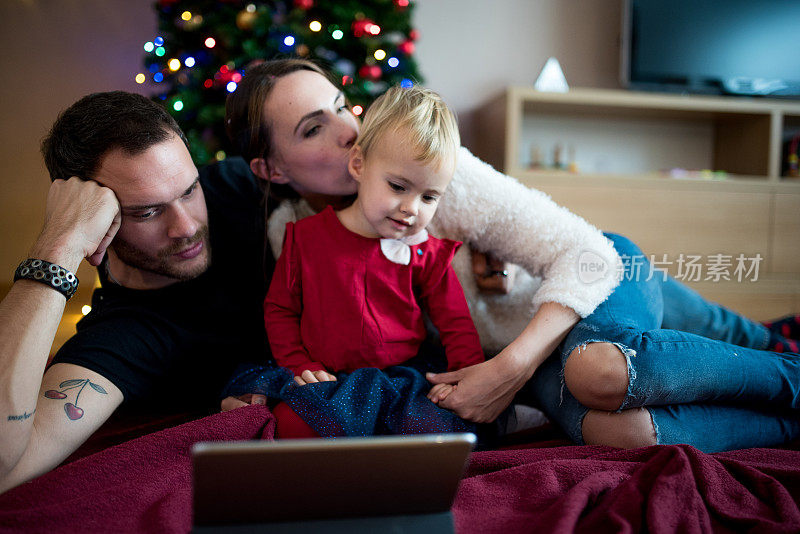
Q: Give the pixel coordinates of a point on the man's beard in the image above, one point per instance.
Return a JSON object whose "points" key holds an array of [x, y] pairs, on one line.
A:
{"points": [[160, 264]]}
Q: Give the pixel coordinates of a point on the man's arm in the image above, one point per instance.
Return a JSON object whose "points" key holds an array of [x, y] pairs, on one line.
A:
{"points": [[81, 219], [72, 403]]}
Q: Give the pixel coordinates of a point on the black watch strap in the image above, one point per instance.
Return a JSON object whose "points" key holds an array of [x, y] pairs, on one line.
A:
{"points": [[50, 274]]}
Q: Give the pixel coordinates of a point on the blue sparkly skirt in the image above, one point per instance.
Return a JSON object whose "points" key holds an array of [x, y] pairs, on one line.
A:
{"points": [[366, 402]]}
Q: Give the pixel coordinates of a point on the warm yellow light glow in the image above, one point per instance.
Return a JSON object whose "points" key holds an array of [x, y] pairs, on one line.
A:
{"points": [[315, 26], [174, 64], [379, 54], [86, 309], [140, 78], [186, 15]]}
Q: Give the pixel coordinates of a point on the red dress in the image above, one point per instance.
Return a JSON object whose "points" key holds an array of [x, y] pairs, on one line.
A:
{"points": [[336, 303]]}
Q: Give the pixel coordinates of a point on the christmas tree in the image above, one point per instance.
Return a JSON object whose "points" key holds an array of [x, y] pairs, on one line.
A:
{"points": [[203, 49]]}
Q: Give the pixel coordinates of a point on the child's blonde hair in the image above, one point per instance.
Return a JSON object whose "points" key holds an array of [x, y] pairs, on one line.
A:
{"points": [[428, 123]]}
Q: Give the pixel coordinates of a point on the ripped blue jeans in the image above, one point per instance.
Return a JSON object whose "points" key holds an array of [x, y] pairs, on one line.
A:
{"points": [[699, 369]]}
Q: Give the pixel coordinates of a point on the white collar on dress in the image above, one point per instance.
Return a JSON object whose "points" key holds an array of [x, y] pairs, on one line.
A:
{"points": [[399, 250]]}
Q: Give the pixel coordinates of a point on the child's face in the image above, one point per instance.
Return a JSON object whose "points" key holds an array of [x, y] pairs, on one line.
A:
{"points": [[398, 195]]}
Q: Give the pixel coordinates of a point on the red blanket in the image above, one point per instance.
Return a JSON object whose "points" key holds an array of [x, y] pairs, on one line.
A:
{"points": [[145, 485]]}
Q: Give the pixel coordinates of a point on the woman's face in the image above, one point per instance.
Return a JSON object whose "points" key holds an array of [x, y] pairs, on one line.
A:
{"points": [[312, 132]]}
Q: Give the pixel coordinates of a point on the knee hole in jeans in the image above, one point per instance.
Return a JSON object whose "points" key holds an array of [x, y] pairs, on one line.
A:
{"points": [[597, 375]]}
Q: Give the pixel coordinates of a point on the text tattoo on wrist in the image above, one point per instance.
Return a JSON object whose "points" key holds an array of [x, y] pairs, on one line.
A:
{"points": [[21, 417], [72, 409]]}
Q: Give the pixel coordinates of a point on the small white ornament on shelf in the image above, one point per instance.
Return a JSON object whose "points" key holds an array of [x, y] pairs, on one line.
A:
{"points": [[551, 79]]}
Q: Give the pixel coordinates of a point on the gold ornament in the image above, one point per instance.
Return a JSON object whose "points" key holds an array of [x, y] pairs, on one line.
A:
{"points": [[193, 23], [245, 20]]}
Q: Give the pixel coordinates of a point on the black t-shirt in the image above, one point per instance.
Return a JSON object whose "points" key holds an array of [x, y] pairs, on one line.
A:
{"points": [[175, 348]]}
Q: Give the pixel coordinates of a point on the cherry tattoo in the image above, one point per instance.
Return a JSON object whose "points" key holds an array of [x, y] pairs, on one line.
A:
{"points": [[71, 409]]}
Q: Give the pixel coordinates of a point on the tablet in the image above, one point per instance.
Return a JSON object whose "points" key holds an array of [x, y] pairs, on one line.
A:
{"points": [[310, 479]]}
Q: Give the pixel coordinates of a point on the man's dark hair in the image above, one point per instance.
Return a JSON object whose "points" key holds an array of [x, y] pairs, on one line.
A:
{"points": [[101, 122]]}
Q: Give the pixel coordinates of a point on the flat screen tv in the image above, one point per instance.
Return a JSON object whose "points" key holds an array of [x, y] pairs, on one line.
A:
{"points": [[737, 47]]}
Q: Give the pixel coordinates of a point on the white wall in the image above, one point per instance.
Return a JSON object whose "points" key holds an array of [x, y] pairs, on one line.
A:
{"points": [[55, 51]]}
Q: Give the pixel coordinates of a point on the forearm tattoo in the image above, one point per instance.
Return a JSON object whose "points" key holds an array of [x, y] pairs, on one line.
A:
{"points": [[72, 409]]}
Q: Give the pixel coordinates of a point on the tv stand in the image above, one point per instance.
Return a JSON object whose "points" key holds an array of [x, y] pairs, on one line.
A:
{"points": [[628, 149]]}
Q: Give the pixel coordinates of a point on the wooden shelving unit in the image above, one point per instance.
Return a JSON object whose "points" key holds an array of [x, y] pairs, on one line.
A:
{"points": [[622, 143]]}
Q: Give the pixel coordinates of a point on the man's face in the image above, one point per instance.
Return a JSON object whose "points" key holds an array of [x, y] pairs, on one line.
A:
{"points": [[163, 237]]}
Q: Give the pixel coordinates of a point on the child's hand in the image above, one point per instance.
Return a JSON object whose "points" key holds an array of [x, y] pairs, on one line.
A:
{"points": [[439, 392], [309, 377]]}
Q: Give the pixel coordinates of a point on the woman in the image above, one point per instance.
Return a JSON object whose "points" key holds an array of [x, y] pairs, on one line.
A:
{"points": [[622, 371]]}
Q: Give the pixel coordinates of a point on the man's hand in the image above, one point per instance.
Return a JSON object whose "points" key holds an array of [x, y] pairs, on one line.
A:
{"points": [[310, 377], [482, 391], [81, 219], [231, 403], [491, 274]]}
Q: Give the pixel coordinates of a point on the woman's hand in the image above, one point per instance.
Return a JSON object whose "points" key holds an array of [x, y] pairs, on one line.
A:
{"points": [[231, 403], [491, 274], [310, 377], [486, 389], [481, 392]]}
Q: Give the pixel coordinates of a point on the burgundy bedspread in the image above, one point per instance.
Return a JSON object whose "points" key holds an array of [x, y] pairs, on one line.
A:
{"points": [[144, 486]]}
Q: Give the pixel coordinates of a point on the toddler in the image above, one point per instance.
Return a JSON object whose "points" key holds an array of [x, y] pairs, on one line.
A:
{"points": [[350, 287]]}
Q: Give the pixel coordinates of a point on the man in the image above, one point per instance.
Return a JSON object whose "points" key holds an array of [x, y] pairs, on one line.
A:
{"points": [[169, 323]]}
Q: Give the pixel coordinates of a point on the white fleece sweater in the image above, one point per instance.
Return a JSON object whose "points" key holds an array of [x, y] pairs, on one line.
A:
{"points": [[494, 213]]}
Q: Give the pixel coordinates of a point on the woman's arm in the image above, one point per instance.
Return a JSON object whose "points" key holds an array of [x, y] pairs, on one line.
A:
{"points": [[486, 389], [494, 213], [497, 214]]}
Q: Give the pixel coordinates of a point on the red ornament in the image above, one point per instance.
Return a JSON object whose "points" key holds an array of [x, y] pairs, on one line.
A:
{"points": [[406, 47], [413, 35], [370, 72], [364, 27], [304, 4]]}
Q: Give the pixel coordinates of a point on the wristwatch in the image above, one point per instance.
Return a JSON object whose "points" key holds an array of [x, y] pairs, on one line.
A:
{"points": [[49, 274]]}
